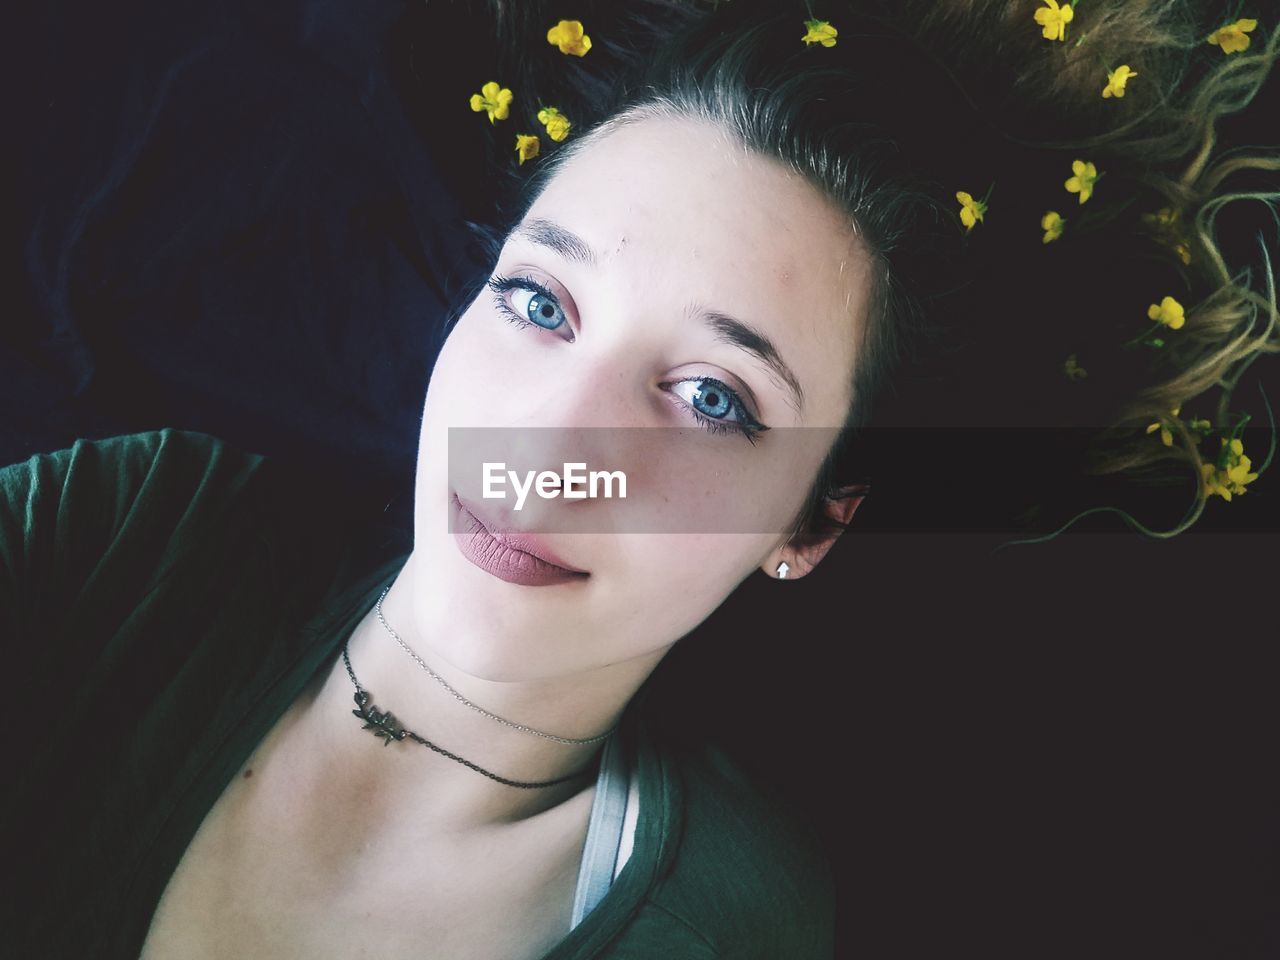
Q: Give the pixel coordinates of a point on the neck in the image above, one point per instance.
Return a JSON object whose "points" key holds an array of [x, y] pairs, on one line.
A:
{"points": [[404, 781]]}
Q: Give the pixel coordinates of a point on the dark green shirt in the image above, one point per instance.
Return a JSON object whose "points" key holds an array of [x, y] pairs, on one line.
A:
{"points": [[164, 597]]}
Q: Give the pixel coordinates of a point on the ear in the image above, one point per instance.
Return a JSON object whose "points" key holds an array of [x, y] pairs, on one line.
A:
{"points": [[803, 553]]}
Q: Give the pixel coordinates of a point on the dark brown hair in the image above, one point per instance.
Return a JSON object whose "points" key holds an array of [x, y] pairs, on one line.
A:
{"points": [[918, 100]]}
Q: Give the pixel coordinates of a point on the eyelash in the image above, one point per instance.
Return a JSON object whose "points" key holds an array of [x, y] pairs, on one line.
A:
{"points": [[746, 424], [504, 285]]}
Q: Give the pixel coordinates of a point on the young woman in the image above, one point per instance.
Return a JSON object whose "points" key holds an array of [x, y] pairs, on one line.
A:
{"points": [[732, 251]]}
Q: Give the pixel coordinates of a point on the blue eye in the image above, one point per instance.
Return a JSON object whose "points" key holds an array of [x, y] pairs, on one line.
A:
{"points": [[530, 303], [717, 408]]}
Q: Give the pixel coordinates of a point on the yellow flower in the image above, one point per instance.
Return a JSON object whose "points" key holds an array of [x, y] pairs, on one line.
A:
{"points": [[526, 147], [1212, 484], [1169, 312], [1051, 223], [1184, 253], [1086, 175], [1116, 80], [568, 36], [1231, 474], [1240, 475], [557, 123], [819, 31], [1073, 370], [1166, 435], [1054, 19], [971, 210], [494, 100], [1233, 37]]}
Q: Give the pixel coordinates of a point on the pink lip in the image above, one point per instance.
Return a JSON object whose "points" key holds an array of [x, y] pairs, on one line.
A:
{"points": [[514, 557]]}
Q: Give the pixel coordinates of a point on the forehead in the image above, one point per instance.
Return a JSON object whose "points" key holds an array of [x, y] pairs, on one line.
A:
{"points": [[675, 201]]}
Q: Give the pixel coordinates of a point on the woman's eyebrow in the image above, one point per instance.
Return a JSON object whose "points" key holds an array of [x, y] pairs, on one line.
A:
{"points": [[564, 242], [727, 329], [739, 334]]}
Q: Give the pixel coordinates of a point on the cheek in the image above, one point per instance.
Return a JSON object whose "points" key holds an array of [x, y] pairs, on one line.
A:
{"points": [[720, 487], [678, 580], [460, 361], [450, 395], [471, 377]]}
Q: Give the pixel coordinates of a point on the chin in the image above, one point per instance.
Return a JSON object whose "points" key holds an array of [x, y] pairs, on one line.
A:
{"points": [[478, 627], [502, 660]]}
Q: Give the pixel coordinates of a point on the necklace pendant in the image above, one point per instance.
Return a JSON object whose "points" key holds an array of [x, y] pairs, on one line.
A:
{"points": [[384, 725]]}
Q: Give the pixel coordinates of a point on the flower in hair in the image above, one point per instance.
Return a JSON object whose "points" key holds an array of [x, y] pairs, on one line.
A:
{"points": [[526, 147], [1169, 312], [569, 37], [1051, 223], [819, 31], [971, 210], [1073, 370], [1238, 465], [1166, 435], [1086, 175], [1054, 19], [1116, 79], [1231, 473], [495, 100], [557, 123], [1233, 37]]}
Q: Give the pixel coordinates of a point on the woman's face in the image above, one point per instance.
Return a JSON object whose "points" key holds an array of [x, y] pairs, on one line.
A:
{"points": [[625, 280]]}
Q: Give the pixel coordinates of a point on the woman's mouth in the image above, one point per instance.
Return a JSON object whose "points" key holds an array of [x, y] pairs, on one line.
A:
{"points": [[514, 557]]}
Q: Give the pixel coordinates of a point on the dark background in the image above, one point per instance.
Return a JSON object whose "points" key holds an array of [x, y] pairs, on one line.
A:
{"points": [[228, 222]]}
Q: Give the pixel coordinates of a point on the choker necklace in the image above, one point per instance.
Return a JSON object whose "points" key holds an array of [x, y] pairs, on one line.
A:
{"points": [[386, 727], [492, 716]]}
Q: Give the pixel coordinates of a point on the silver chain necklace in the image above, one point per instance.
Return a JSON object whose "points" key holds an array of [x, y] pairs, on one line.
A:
{"points": [[492, 716]]}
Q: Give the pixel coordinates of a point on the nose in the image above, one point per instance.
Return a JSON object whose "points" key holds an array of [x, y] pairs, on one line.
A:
{"points": [[582, 416], [594, 415], [542, 456], [599, 385], [520, 472]]}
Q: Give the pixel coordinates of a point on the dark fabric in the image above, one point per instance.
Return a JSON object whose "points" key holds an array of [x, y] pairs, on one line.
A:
{"points": [[227, 222], [164, 598]]}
